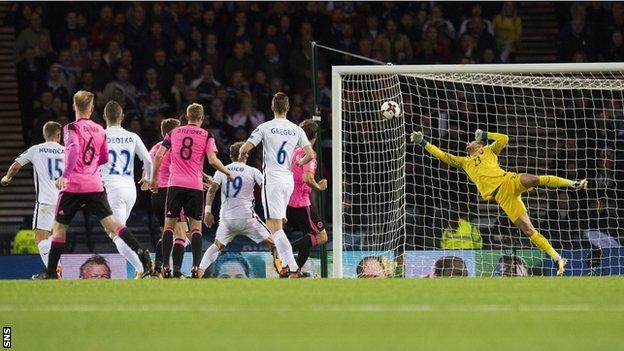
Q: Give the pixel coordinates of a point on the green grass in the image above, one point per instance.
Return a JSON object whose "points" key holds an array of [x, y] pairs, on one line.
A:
{"points": [[400, 314]]}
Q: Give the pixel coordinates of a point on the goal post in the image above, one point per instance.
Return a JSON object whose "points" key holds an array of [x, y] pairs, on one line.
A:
{"points": [[397, 211]]}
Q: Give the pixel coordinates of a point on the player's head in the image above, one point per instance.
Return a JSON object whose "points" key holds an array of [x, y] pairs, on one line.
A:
{"points": [[95, 267], [113, 113], [52, 131], [474, 146], [235, 151], [167, 125], [449, 266], [311, 129], [83, 104], [371, 267], [195, 114], [280, 104]]}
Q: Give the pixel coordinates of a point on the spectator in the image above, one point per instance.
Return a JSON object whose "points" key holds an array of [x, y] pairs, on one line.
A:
{"points": [[194, 67], [156, 103], [179, 57], [272, 63], [467, 49], [372, 28], [29, 77], [395, 46], [218, 121], [164, 70], [461, 234], [247, 117], [444, 26], [101, 72], [176, 93], [206, 84], [122, 83], [508, 28], [103, 31], [476, 15], [239, 62], [113, 54], [347, 42], [56, 82], [151, 82], [615, 52], [31, 36], [211, 53]]}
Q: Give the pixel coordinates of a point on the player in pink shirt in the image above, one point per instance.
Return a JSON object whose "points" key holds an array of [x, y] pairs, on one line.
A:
{"points": [[188, 146], [300, 213], [81, 185]]}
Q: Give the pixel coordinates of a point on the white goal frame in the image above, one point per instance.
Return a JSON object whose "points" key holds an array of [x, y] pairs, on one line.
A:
{"points": [[339, 71]]}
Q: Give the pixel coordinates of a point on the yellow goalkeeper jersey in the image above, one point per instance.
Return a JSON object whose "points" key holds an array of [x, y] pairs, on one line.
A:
{"points": [[482, 168]]}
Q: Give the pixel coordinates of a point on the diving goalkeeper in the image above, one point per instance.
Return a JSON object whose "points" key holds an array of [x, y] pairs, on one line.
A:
{"points": [[482, 167]]}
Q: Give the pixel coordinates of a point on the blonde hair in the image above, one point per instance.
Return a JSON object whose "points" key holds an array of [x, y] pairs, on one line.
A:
{"points": [[51, 129], [83, 100], [194, 112]]}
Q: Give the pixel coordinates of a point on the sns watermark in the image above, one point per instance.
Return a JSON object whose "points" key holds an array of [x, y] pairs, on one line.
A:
{"points": [[6, 337]]}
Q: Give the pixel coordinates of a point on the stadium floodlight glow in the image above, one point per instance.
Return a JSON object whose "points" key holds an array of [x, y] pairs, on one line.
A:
{"points": [[392, 200]]}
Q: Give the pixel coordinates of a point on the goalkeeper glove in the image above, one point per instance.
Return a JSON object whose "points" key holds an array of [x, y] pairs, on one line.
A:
{"points": [[481, 135], [417, 137]]}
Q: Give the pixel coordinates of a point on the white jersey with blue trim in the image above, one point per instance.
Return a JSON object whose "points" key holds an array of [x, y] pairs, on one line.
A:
{"points": [[237, 196], [279, 138], [47, 159], [122, 146]]}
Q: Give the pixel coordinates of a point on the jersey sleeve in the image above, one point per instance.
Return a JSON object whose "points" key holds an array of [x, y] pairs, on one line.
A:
{"points": [[141, 151], [167, 141], [26, 156], [310, 166], [448, 158], [500, 141], [303, 139], [256, 136], [258, 176], [218, 178], [211, 145]]}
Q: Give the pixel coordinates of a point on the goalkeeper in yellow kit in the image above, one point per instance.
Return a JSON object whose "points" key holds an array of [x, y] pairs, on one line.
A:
{"points": [[482, 167]]}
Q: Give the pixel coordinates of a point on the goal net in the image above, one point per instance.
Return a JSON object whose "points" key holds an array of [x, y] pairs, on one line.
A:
{"points": [[398, 211]]}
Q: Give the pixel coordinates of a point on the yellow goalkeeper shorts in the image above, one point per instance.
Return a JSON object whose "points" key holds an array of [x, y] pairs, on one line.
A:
{"points": [[508, 196]]}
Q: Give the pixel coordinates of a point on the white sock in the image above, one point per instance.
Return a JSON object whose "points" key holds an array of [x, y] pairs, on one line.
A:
{"points": [[285, 250], [209, 256], [127, 252], [44, 250]]}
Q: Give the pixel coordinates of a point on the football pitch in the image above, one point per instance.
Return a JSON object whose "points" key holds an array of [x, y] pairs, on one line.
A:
{"points": [[396, 314]]}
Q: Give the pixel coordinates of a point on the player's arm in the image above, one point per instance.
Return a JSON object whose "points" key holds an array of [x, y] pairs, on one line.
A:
{"points": [[211, 154], [254, 139], [11, 172], [308, 178], [141, 151], [72, 150], [210, 196], [309, 155], [500, 140], [103, 159], [448, 158], [162, 150], [22, 160]]}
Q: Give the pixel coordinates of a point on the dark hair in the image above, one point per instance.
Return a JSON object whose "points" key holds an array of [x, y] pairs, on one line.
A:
{"points": [[96, 260], [112, 111], [360, 267], [280, 103], [450, 266], [227, 257], [508, 266], [167, 125], [310, 128], [235, 150]]}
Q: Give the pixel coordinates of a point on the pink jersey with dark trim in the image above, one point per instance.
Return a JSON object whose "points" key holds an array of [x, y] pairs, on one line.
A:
{"points": [[188, 146], [164, 170], [301, 193], [90, 137]]}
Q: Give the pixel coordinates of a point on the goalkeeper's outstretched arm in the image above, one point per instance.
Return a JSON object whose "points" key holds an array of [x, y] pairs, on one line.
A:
{"points": [[448, 158], [500, 140]]}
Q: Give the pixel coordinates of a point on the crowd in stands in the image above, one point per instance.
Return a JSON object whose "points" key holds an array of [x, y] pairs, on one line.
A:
{"points": [[155, 58]]}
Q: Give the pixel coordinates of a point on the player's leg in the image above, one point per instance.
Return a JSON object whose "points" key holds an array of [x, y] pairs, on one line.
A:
{"points": [[307, 221], [173, 206], [42, 239], [43, 219], [193, 210], [256, 230], [524, 224], [67, 205], [550, 181], [223, 236], [158, 209], [275, 212]]}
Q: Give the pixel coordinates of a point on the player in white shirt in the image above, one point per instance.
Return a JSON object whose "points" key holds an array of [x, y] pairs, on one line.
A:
{"points": [[279, 138], [237, 216], [118, 173], [47, 159]]}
